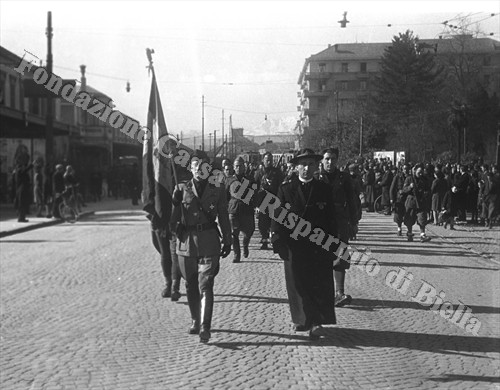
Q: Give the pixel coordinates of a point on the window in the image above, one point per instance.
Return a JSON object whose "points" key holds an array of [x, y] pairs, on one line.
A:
{"points": [[35, 106], [343, 85], [362, 85], [3, 79], [362, 67], [345, 67], [13, 87], [486, 60], [322, 68]]}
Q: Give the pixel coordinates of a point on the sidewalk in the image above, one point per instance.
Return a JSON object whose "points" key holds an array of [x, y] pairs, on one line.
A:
{"points": [[10, 226]]}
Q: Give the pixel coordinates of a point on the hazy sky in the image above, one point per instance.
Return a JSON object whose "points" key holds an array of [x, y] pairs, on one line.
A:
{"points": [[243, 56]]}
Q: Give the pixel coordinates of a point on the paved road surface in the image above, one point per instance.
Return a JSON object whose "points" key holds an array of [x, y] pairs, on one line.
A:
{"points": [[81, 309]]}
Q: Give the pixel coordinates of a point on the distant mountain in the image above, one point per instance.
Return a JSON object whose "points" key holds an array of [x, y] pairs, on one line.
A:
{"points": [[274, 126]]}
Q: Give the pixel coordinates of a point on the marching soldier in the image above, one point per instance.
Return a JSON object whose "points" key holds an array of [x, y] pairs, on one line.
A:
{"points": [[268, 179], [241, 209], [197, 206], [308, 266], [345, 212]]}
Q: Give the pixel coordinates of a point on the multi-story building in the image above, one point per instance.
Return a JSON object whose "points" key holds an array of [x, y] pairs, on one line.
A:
{"points": [[79, 138], [332, 80]]}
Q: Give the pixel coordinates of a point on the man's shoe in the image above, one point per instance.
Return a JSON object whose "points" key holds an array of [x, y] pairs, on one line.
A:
{"points": [[264, 246], [204, 334], [175, 296], [424, 238], [166, 293], [342, 300], [194, 328], [300, 328], [237, 258], [314, 332], [245, 252], [23, 220]]}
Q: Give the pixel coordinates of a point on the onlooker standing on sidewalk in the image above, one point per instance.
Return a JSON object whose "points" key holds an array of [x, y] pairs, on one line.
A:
{"points": [[461, 182], [385, 183], [491, 198], [57, 190], [47, 191], [23, 190], [439, 188], [38, 190]]}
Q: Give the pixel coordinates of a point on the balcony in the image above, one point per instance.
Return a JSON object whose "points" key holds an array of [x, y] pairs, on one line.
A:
{"points": [[324, 93], [311, 111], [317, 75]]}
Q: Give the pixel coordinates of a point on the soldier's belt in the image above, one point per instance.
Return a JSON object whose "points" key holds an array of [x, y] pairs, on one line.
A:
{"points": [[201, 227]]}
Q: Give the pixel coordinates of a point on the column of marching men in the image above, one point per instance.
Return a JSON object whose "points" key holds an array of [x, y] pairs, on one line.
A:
{"points": [[210, 220]]}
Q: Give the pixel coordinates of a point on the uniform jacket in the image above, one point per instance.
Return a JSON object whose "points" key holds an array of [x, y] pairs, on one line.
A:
{"points": [[236, 205], [317, 209], [418, 196], [210, 207], [396, 190], [345, 208]]}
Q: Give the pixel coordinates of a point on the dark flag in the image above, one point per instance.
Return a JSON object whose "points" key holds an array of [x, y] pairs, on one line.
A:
{"points": [[157, 170]]}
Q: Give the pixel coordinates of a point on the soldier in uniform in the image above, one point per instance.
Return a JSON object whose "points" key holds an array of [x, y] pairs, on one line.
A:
{"points": [[308, 266], [197, 206], [417, 190], [268, 179], [241, 214], [345, 214]]}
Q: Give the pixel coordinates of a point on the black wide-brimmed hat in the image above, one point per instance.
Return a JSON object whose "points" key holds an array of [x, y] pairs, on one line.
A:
{"points": [[305, 153]]}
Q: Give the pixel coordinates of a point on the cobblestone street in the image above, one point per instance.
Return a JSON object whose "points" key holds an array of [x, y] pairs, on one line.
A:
{"points": [[81, 309]]}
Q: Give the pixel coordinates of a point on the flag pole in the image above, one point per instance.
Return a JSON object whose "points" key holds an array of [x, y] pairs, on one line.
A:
{"points": [[150, 67]]}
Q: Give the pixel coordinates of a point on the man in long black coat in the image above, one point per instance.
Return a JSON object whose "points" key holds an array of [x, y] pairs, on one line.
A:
{"points": [[298, 238], [23, 191]]}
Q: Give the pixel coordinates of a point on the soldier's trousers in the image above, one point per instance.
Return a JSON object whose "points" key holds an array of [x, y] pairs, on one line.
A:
{"points": [[244, 223], [199, 274], [164, 243], [264, 223]]}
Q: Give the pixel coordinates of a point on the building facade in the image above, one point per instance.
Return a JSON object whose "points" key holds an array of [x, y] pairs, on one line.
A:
{"points": [[333, 81], [80, 139]]}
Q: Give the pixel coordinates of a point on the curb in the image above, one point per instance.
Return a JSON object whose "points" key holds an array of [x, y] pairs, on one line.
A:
{"points": [[7, 233]]}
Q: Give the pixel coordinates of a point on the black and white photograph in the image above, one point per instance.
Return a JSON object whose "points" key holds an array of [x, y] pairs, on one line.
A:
{"points": [[249, 195]]}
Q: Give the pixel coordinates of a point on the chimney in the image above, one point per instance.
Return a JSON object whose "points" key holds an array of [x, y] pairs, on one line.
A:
{"points": [[84, 80]]}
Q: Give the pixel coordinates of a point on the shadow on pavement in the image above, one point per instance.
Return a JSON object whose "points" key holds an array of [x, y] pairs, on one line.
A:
{"points": [[466, 378], [371, 304], [34, 241], [250, 298], [362, 338], [424, 265]]}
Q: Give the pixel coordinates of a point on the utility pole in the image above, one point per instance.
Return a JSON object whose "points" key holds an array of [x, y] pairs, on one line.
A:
{"points": [[202, 122], [194, 142], [209, 142], [232, 135], [49, 131], [215, 143], [223, 153]]}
